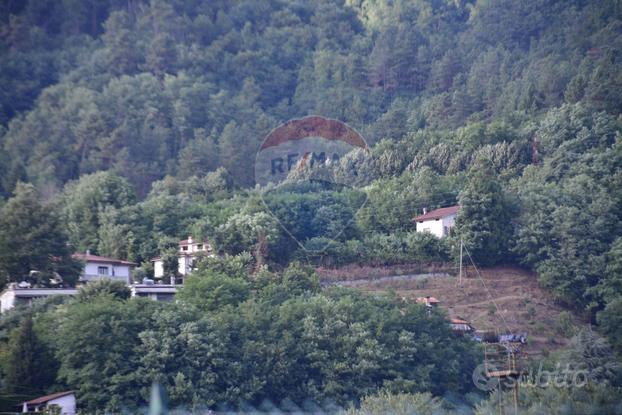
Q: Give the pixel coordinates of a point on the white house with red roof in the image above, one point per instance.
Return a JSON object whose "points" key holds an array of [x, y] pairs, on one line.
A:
{"points": [[99, 267], [437, 222], [189, 250], [65, 402]]}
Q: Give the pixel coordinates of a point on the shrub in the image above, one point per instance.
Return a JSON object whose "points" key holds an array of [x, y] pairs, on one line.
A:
{"points": [[398, 404], [564, 325]]}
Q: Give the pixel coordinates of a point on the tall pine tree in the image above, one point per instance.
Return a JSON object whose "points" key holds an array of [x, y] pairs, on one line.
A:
{"points": [[30, 369]]}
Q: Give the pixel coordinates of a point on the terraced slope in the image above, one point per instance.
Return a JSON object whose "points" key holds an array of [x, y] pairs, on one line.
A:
{"points": [[504, 299]]}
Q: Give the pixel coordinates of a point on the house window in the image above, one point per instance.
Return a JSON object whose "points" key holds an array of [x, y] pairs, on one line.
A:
{"points": [[102, 270], [184, 248], [200, 247]]}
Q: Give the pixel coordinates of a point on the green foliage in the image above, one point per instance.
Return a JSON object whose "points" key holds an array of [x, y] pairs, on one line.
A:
{"points": [[104, 287], [97, 348], [245, 232], [87, 203], [225, 345], [393, 203], [378, 249], [138, 90], [569, 216], [595, 390], [564, 324], [29, 366], [139, 123], [483, 222], [610, 322], [32, 239], [551, 400], [398, 404], [210, 291]]}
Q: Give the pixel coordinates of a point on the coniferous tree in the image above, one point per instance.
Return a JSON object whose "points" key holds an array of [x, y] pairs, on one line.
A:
{"points": [[30, 367]]}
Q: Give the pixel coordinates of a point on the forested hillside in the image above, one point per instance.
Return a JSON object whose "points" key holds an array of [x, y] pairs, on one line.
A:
{"points": [[148, 89], [171, 99], [127, 125]]}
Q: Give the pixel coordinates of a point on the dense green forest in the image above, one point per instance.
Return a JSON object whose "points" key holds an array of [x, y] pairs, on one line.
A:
{"points": [[127, 125], [271, 337]]}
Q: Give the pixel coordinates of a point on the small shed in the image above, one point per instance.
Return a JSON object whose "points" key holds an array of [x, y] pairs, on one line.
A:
{"points": [[460, 325], [428, 301]]}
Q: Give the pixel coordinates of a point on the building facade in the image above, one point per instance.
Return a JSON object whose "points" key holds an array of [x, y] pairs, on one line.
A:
{"points": [[438, 222], [188, 252], [156, 292], [63, 403], [99, 267], [14, 295]]}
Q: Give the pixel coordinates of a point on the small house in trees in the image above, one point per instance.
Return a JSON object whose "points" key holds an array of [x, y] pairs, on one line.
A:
{"points": [[63, 403], [428, 301], [99, 267], [437, 222], [156, 292], [460, 325], [189, 250]]}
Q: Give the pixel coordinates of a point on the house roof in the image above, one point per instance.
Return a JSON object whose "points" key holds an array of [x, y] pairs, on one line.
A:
{"points": [[102, 259], [429, 300], [458, 321], [438, 213], [185, 242], [47, 398]]}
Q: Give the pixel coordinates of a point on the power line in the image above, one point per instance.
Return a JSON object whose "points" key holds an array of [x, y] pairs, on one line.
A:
{"points": [[492, 300]]}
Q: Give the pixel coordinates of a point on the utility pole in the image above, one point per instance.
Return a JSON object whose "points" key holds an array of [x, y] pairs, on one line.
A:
{"points": [[460, 277]]}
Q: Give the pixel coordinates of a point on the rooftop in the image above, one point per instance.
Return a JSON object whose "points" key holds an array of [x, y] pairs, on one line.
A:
{"points": [[103, 259], [40, 292], [154, 288], [47, 398], [438, 213], [428, 300]]}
